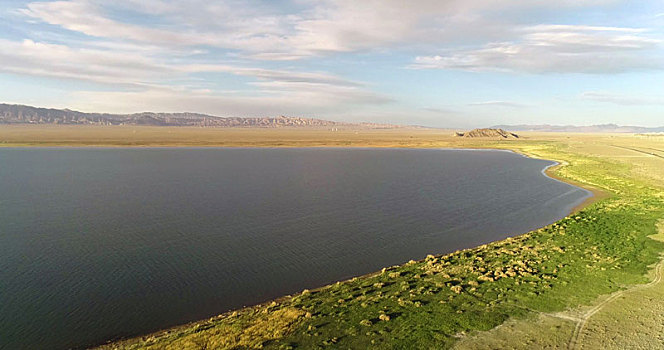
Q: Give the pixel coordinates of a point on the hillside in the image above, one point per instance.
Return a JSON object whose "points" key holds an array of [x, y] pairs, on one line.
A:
{"points": [[488, 133], [19, 114]]}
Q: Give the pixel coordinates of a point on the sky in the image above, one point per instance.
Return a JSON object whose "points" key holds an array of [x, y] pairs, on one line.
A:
{"points": [[439, 63]]}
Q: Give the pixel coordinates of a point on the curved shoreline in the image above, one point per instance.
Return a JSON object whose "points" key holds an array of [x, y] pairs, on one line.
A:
{"points": [[596, 193], [551, 171], [548, 171]]}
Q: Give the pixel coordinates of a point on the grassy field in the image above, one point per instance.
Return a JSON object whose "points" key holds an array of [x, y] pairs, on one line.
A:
{"points": [[572, 284]]}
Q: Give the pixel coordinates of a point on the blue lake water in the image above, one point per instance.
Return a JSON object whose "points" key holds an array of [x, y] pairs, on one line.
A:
{"points": [[104, 243]]}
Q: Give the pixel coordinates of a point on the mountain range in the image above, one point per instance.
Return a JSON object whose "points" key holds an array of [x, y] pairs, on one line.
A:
{"points": [[20, 114], [602, 128]]}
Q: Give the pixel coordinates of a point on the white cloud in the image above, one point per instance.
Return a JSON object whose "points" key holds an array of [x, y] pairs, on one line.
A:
{"points": [[275, 75], [298, 102], [263, 31], [557, 48], [579, 28], [193, 23], [164, 83], [84, 17], [509, 104], [59, 61], [621, 99], [122, 67], [439, 110]]}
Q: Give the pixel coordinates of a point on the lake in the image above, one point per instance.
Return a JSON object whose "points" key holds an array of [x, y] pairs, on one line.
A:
{"points": [[104, 243]]}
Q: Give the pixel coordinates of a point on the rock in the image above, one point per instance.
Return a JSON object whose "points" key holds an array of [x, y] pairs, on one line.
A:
{"points": [[487, 133]]}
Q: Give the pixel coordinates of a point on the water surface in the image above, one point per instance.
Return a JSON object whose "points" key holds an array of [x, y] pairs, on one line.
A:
{"points": [[103, 243]]}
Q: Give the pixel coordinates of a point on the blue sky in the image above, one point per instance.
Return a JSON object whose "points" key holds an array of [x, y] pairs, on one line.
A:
{"points": [[442, 63]]}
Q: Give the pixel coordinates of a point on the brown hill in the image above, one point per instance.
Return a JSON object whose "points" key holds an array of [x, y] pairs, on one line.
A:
{"points": [[488, 133]]}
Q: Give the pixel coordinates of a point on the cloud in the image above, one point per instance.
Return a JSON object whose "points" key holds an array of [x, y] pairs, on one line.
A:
{"points": [[437, 110], [121, 67], [618, 99], [296, 102], [275, 75], [563, 28], [59, 61], [264, 31], [497, 104], [559, 49], [84, 17], [231, 25], [163, 82], [303, 29]]}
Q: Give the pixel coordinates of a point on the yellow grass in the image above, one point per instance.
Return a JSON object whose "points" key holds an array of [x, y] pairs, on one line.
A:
{"points": [[53, 135]]}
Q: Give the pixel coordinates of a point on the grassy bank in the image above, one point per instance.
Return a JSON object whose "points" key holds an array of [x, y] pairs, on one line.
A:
{"points": [[436, 302]]}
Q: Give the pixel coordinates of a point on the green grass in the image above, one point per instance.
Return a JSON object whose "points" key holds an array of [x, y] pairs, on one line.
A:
{"points": [[431, 304]]}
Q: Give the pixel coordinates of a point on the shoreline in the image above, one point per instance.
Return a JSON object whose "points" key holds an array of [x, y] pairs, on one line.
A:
{"points": [[597, 194], [549, 171]]}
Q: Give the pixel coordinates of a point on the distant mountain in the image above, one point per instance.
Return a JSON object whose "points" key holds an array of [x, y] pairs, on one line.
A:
{"points": [[19, 114], [607, 128], [488, 133]]}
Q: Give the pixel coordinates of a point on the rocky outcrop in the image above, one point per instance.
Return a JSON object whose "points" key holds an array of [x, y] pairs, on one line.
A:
{"points": [[488, 133]]}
